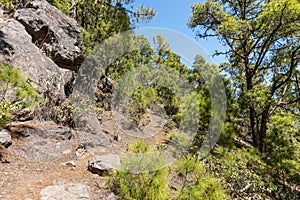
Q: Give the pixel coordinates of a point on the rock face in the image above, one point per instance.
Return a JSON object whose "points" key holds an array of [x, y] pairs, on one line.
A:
{"points": [[53, 32], [5, 138], [42, 130], [17, 49]]}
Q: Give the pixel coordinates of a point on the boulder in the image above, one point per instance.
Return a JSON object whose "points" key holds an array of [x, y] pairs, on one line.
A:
{"points": [[42, 150], [74, 191], [94, 140], [17, 49], [45, 130], [54, 32], [102, 164], [5, 138]]}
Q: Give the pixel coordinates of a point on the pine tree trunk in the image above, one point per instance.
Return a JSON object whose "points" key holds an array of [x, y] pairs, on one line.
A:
{"points": [[263, 130], [254, 127], [253, 114]]}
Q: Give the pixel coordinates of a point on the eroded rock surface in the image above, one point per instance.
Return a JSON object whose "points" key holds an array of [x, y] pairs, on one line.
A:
{"points": [[43, 150], [17, 49], [54, 32], [45, 130]]}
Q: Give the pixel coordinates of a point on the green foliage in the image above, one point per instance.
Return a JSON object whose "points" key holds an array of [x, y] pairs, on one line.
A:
{"points": [[140, 186], [6, 106], [64, 114], [283, 147], [139, 147], [195, 183], [264, 71], [170, 101], [15, 93], [192, 181], [100, 20], [227, 135], [63, 5], [146, 186], [139, 102], [8, 4], [245, 175]]}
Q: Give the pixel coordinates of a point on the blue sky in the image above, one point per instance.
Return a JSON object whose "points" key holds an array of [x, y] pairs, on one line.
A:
{"points": [[174, 14]]}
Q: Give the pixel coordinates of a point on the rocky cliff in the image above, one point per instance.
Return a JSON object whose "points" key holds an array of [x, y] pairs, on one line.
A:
{"points": [[40, 41], [46, 46]]}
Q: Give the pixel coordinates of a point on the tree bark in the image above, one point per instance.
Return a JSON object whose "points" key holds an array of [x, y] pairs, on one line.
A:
{"points": [[263, 129], [253, 114], [254, 127]]}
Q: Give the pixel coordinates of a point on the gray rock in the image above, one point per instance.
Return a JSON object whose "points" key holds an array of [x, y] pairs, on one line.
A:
{"points": [[42, 150], [44, 130], [74, 191], [111, 196], [17, 49], [69, 164], [53, 31], [94, 140], [102, 164], [5, 138]]}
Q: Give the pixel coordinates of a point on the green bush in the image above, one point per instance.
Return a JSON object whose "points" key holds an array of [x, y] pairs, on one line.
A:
{"points": [[138, 103], [8, 4], [283, 147], [65, 114], [227, 135], [245, 175], [6, 106], [147, 185], [187, 178], [194, 181], [15, 93], [63, 5]]}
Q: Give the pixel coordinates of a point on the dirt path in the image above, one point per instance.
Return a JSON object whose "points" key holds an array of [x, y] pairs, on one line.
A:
{"points": [[23, 180]]}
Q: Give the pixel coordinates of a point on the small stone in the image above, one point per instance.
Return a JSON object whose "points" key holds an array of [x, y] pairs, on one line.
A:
{"points": [[80, 151], [5, 138], [70, 164], [116, 137], [69, 151], [111, 196]]}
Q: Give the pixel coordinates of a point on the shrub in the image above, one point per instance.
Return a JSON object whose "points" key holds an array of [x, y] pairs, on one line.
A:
{"points": [[245, 175], [140, 186], [227, 135], [282, 148], [65, 114], [15, 93], [195, 182]]}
